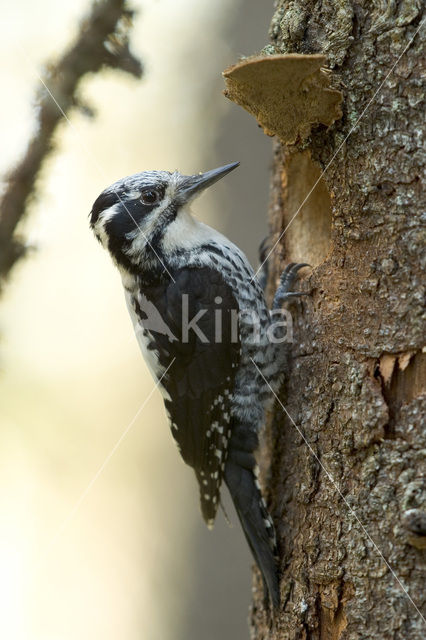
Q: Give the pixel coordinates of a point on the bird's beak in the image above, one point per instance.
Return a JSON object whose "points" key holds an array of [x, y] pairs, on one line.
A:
{"points": [[193, 185]]}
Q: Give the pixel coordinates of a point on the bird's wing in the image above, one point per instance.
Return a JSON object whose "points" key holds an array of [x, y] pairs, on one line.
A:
{"points": [[200, 381]]}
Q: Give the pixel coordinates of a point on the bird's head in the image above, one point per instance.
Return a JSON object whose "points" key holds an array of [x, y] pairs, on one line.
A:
{"points": [[133, 213]]}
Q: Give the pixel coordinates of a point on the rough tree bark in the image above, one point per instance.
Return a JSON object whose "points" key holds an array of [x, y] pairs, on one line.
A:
{"points": [[349, 505]]}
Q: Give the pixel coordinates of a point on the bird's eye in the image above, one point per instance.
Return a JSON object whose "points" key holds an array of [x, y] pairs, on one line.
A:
{"points": [[150, 196]]}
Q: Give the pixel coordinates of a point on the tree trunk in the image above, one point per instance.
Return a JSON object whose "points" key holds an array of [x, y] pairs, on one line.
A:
{"points": [[344, 450]]}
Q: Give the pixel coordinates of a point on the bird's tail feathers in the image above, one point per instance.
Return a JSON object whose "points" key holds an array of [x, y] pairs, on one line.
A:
{"points": [[240, 477]]}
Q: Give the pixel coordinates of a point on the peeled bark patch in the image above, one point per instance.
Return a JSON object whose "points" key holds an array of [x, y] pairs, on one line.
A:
{"points": [[287, 94]]}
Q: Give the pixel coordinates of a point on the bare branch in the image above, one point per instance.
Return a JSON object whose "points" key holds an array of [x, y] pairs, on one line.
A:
{"points": [[103, 41]]}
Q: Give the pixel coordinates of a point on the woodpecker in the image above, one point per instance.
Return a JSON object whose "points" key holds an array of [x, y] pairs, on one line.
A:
{"points": [[204, 328]]}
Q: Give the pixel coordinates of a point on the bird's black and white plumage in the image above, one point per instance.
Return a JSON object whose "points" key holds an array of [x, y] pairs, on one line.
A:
{"points": [[202, 324]]}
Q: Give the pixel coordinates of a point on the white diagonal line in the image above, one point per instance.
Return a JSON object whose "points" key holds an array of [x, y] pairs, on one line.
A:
{"points": [[83, 495], [93, 159], [338, 149], [334, 483]]}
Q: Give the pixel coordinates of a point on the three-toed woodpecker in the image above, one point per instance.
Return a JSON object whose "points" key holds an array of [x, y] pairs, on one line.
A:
{"points": [[204, 328]]}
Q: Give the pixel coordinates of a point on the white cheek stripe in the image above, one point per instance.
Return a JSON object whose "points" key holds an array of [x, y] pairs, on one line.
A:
{"points": [[100, 223], [140, 237]]}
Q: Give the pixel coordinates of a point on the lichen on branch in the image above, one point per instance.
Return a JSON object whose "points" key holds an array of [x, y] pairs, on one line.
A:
{"points": [[102, 42]]}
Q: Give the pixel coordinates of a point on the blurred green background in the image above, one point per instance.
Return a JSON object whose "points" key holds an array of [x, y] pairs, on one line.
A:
{"points": [[95, 545]]}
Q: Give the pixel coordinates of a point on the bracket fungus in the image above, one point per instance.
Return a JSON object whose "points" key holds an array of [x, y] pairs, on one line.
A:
{"points": [[287, 94]]}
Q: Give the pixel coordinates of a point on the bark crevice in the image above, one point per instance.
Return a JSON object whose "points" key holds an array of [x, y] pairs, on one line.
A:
{"points": [[352, 523]]}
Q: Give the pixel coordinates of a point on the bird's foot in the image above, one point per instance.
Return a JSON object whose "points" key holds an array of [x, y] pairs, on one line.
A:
{"points": [[288, 277]]}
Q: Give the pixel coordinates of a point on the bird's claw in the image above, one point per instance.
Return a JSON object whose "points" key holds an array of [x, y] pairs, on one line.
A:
{"points": [[287, 279]]}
